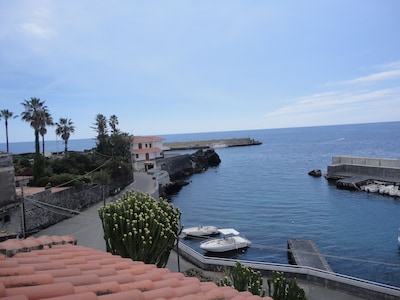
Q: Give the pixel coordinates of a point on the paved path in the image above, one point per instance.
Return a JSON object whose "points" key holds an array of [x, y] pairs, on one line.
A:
{"points": [[86, 226]]}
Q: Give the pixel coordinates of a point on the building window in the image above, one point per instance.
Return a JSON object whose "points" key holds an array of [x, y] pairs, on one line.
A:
{"points": [[140, 146], [137, 156]]}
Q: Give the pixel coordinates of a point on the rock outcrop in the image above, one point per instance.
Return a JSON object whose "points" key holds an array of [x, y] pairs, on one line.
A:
{"points": [[180, 167], [315, 173]]}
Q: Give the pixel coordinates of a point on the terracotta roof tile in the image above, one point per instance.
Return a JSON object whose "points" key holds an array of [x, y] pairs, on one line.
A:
{"points": [[54, 267]]}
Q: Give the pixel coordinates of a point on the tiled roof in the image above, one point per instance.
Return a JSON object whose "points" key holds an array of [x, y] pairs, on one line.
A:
{"points": [[54, 267], [147, 139]]}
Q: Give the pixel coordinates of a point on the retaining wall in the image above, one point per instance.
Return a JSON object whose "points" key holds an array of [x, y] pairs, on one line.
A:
{"points": [[41, 208], [374, 168]]}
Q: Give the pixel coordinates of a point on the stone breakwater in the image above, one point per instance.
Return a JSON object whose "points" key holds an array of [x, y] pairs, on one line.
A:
{"points": [[180, 167], [212, 144]]}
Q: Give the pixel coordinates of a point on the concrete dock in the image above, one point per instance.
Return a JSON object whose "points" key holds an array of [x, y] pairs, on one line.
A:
{"points": [[351, 172], [306, 253], [212, 144]]}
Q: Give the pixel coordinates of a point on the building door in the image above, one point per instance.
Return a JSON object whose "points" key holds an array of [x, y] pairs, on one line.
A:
{"points": [[147, 156]]}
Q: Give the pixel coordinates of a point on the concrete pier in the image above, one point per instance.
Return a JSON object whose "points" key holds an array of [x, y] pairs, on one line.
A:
{"points": [[351, 172], [205, 144], [306, 253]]}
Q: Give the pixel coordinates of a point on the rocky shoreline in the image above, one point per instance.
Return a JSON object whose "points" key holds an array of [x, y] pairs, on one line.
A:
{"points": [[181, 167]]}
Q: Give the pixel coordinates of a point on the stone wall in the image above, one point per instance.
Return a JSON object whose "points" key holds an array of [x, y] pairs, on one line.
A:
{"points": [[42, 209], [7, 180]]}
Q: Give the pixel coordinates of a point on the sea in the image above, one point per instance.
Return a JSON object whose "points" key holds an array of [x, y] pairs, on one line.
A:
{"points": [[266, 194]]}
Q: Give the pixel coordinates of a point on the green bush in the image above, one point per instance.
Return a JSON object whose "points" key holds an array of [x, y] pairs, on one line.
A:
{"points": [[141, 228], [281, 288], [244, 278]]}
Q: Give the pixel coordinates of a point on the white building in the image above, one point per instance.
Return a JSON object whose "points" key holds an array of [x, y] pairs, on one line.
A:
{"points": [[145, 150]]}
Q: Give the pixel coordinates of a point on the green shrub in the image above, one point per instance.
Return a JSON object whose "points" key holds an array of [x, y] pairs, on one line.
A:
{"points": [[141, 228], [244, 278], [281, 288]]}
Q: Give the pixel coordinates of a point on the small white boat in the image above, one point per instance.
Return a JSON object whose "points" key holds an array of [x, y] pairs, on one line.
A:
{"points": [[372, 188], [230, 241], [200, 231], [219, 145]]}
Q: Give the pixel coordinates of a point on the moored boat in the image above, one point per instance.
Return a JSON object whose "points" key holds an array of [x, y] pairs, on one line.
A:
{"points": [[200, 231], [230, 241]]}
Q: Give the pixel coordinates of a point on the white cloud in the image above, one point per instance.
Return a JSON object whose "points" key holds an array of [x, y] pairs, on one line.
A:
{"points": [[36, 30], [386, 75]]}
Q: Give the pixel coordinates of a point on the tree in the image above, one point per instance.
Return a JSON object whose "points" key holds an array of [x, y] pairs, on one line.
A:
{"points": [[6, 114], [64, 129], [45, 120], [33, 114], [113, 122], [101, 127]]}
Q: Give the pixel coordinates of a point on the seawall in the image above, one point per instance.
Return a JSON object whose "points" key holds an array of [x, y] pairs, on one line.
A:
{"points": [[354, 171], [212, 144]]}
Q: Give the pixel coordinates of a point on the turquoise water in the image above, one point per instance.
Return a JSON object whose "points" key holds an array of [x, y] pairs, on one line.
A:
{"points": [[265, 193]]}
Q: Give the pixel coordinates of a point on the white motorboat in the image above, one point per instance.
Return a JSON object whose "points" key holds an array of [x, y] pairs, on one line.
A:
{"points": [[200, 231], [372, 188], [230, 241]]}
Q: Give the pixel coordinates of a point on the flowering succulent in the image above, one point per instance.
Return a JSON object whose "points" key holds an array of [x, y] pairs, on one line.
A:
{"points": [[244, 278], [281, 288], [140, 227]]}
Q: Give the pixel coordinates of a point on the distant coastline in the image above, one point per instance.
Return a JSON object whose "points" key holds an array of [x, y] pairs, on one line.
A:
{"points": [[50, 146]]}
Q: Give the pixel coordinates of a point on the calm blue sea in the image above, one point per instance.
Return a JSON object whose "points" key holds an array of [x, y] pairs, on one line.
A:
{"points": [[265, 193]]}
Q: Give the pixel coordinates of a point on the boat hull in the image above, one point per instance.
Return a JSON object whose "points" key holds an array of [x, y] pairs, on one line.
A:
{"points": [[225, 244], [200, 231]]}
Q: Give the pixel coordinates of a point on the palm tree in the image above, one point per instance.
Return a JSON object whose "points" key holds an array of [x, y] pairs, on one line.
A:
{"points": [[113, 122], [101, 127], [32, 114], [6, 114], [64, 129], [46, 119]]}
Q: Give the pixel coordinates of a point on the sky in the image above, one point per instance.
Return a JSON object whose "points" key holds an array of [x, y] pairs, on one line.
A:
{"points": [[169, 67]]}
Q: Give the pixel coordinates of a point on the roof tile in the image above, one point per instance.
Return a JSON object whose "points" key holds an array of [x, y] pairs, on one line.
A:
{"points": [[26, 280], [54, 267], [42, 291], [77, 280]]}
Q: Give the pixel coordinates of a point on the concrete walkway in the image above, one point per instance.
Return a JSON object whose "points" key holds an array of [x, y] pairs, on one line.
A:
{"points": [[86, 226]]}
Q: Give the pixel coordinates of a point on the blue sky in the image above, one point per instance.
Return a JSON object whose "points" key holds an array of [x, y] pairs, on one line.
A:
{"points": [[167, 67]]}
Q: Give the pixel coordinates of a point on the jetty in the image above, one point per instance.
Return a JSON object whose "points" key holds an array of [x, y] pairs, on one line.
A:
{"points": [[212, 144], [303, 252], [351, 172]]}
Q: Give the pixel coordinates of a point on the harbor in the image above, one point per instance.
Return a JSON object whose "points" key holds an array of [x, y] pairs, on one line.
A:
{"points": [[212, 144]]}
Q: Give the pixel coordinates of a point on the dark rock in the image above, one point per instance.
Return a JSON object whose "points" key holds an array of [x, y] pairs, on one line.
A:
{"points": [[315, 173], [181, 167], [171, 188]]}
